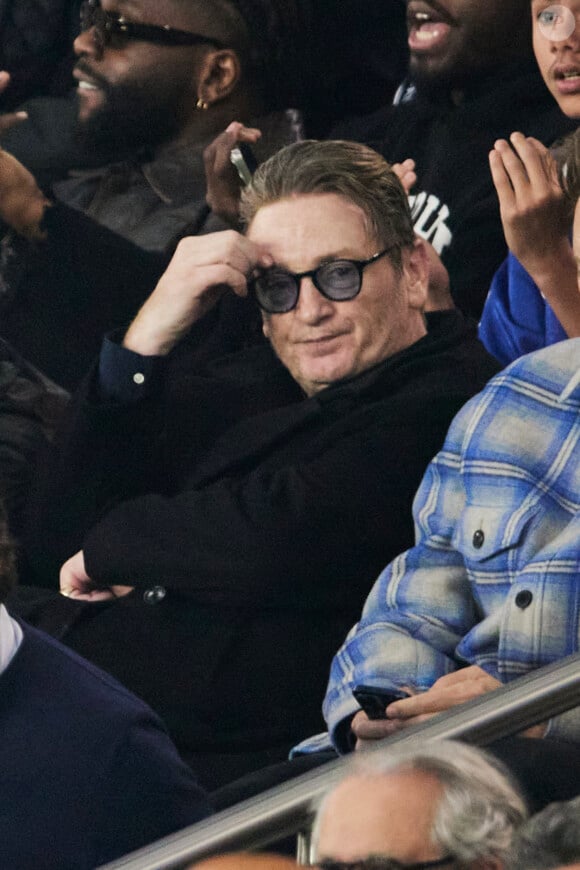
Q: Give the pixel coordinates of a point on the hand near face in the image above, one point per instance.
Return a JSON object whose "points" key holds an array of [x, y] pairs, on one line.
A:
{"points": [[76, 583], [203, 268], [22, 203], [222, 180], [533, 208]]}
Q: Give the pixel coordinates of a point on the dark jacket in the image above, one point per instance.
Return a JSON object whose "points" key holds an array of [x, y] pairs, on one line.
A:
{"points": [[88, 771], [30, 409], [250, 520], [36, 47], [454, 202]]}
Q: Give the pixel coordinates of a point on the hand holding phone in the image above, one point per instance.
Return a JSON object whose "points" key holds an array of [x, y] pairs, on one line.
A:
{"points": [[374, 701], [244, 160]]}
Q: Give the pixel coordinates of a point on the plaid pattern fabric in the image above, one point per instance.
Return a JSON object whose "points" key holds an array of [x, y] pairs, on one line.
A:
{"points": [[494, 578]]}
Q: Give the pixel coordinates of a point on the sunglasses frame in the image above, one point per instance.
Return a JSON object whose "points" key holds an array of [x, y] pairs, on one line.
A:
{"points": [[107, 25], [297, 277]]}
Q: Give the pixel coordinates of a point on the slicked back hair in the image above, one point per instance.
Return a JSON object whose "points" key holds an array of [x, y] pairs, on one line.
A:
{"points": [[348, 169]]}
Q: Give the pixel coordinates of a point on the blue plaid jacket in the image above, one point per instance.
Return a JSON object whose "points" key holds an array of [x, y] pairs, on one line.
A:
{"points": [[494, 578]]}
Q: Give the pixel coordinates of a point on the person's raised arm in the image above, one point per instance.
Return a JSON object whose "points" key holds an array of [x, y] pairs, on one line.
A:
{"points": [[202, 269], [536, 222]]}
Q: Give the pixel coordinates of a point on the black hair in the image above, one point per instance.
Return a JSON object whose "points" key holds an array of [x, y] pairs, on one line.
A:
{"points": [[282, 53]]}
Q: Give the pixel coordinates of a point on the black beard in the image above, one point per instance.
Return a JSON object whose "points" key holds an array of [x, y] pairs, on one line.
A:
{"points": [[130, 120]]}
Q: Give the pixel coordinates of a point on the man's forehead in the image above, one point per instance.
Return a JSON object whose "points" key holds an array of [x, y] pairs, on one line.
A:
{"points": [[140, 10]]}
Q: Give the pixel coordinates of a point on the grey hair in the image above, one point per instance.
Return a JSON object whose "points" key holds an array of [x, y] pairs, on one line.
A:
{"points": [[480, 807], [551, 838]]}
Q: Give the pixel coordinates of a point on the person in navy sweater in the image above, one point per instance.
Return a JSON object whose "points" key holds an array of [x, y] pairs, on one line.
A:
{"points": [[88, 770]]}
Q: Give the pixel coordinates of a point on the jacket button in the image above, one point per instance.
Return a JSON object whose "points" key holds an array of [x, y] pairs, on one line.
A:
{"points": [[524, 599], [154, 595], [478, 539]]}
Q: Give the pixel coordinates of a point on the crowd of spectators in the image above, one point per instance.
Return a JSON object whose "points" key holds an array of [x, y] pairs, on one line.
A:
{"points": [[320, 427]]}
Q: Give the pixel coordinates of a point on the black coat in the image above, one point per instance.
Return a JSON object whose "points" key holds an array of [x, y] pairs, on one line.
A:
{"points": [[252, 522]]}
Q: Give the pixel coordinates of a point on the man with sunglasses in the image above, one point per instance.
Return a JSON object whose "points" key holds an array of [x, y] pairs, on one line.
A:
{"points": [[155, 83], [229, 513]]}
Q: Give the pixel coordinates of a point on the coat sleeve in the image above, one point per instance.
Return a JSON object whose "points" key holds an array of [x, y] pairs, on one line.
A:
{"points": [[314, 530], [421, 605], [307, 531], [149, 792]]}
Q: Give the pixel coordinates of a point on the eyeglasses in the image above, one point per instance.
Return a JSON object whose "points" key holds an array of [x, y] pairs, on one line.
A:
{"points": [[380, 862], [112, 29], [277, 290]]}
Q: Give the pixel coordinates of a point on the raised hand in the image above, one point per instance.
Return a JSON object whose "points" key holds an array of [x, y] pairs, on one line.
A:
{"points": [[222, 181]]}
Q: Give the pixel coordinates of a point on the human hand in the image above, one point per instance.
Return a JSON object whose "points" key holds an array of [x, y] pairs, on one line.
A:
{"points": [[222, 181], [76, 583], [438, 291], [22, 203], [9, 119], [534, 211], [406, 173], [445, 693], [202, 269]]}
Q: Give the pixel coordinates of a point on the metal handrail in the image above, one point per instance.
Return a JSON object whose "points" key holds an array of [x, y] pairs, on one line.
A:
{"points": [[288, 808]]}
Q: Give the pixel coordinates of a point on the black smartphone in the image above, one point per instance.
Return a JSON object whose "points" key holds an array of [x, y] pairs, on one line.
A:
{"points": [[374, 700], [244, 159]]}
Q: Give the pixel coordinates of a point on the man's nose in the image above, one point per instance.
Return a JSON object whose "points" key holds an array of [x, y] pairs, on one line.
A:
{"points": [[312, 306], [85, 45]]}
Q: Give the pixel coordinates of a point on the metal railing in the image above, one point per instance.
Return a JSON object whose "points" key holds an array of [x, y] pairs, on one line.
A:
{"points": [[288, 808]]}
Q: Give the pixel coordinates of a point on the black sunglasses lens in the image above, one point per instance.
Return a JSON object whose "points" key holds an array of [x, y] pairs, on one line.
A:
{"points": [[340, 280], [276, 291], [87, 15]]}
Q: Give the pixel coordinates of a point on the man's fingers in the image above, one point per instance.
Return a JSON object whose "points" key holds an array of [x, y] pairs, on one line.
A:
{"points": [[369, 729], [243, 133], [4, 80], [442, 697], [514, 168], [463, 675], [536, 160], [501, 180], [12, 119]]}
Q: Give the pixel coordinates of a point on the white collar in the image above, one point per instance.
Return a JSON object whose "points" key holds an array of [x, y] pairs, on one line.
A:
{"points": [[10, 638]]}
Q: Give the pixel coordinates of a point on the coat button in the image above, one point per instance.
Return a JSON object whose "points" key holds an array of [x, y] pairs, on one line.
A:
{"points": [[524, 599], [478, 539], [154, 595]]}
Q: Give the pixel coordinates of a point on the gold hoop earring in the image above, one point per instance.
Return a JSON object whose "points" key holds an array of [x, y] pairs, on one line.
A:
{"points": [[202, 105]]}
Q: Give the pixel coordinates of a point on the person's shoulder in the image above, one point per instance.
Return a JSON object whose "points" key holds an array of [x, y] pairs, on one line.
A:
{"points": [[86, 685], [555, 369]]}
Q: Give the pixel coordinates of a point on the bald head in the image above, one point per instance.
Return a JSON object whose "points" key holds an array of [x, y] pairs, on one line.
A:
{"points": [[391, 815], [442, 800], [245, 861]]}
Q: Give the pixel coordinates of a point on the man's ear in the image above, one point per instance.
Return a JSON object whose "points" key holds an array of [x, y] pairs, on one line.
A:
{"points": [[219, 75], [415, 264]]}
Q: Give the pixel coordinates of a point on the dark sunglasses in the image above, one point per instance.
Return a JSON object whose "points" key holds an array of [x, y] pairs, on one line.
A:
{"points": [[277, 290], [110, 28], [379, 862]]}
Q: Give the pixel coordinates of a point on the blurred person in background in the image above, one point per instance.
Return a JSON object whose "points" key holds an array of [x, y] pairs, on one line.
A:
{"points": [[443, 805]]}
